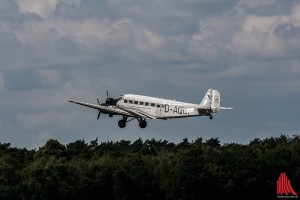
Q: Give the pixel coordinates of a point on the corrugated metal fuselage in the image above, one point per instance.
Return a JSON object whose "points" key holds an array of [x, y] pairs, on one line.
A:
{"points": [[159, 108]]}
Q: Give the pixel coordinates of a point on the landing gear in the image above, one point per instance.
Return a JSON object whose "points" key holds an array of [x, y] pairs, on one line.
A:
{"points": [[143, 123], [210, 116], [122, 123]]}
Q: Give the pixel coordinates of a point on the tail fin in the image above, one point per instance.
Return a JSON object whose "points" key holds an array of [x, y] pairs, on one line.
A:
{"points": [[216, 101], [211, 100], [206, 101]]}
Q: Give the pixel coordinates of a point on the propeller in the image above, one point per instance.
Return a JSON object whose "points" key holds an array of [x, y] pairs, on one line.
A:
{"points": [[101, 104], [98, 110], [105, 103]]}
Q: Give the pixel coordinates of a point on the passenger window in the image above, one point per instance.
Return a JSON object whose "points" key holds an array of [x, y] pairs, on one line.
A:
{"points": [[158, 105], [152, 104], [130, 101], [125, 101], [136, 102], [141, 103], [147, 104]]}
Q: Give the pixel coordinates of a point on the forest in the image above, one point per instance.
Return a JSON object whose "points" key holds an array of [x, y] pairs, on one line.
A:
{"points": [[150, 169]]}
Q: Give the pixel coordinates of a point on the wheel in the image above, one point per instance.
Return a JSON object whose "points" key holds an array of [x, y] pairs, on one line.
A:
{"points": [[210, 116], [143, 124], [122, 123]]}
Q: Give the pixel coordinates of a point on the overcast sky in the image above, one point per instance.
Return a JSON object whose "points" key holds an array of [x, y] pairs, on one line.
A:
{"points": [[54, 50]]}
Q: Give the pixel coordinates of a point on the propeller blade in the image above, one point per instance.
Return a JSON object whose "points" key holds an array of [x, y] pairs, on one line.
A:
{"points": [[99, 110], [98, 115]]}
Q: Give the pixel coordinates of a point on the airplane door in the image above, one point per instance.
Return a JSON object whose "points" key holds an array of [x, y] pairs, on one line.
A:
{"points": [[158, 110]]}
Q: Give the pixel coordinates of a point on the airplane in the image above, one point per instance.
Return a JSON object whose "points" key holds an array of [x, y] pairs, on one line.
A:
{"points": [[142, 107]]}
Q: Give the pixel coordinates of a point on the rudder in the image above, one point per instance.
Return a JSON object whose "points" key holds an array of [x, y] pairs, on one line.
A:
{"points": [[211, 100], [216, 101]]}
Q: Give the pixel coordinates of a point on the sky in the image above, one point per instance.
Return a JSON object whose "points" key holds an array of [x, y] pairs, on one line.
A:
{"points": [[54, 50]]}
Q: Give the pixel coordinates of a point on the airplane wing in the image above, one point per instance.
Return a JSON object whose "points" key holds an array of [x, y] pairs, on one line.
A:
{"points": [[105, 109], [116, 110]]}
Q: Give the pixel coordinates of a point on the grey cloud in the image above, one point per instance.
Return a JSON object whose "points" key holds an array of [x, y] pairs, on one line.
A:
{"points": [[266, 8], [288, 31], [170, 49], [9, 11], [66, 11], [10, 15], [19, 81], [25, 17], [9, 43], [66, 46], [24, 80]]}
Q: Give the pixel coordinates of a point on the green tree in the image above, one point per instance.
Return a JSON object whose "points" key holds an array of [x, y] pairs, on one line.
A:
{"points": [[47, 178], [51, 148]]}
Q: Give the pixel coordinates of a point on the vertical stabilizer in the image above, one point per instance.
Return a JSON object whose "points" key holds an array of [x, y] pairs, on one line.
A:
{"points": [[215, 101], [211, 100], [206, 101]]}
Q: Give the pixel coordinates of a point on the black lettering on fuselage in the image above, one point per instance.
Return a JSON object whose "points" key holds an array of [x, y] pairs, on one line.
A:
{"points": [[166, 108], [180, 110], [176, 109]]}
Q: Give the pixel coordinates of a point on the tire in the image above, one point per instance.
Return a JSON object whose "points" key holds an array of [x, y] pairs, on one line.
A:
{"points": [[122, 123], [143, 124]]}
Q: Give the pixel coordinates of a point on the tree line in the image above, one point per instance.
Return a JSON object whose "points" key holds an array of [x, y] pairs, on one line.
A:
{"points": [[150, 169]]}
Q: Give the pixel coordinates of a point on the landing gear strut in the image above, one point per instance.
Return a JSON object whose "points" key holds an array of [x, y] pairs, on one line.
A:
{"points": [[210, 116], [122, 122]]}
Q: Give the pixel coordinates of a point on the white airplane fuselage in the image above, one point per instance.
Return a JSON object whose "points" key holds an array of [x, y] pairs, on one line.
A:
{"points": [[157, 107]]}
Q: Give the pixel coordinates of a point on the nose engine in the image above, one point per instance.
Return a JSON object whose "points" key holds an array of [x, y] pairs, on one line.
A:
{"points": [[110, 102]]}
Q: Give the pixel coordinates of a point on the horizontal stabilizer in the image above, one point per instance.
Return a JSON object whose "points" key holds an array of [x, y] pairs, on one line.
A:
{"points": [[226, 108]]}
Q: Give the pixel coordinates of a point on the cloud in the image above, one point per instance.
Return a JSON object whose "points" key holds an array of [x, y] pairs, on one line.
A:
{"points": [[59, 49], [260, 37], [10, 42], [44, 9]]}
